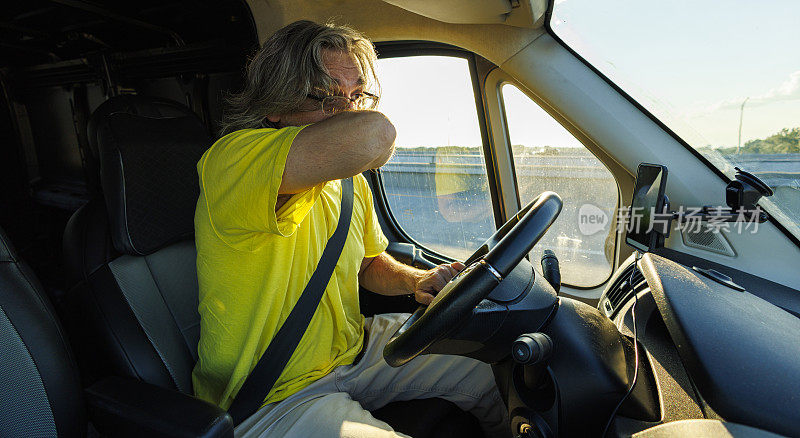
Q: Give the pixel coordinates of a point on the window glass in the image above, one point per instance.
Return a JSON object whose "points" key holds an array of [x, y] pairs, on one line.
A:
{"points": [[724, 76], [436, 182], [548, 157]]}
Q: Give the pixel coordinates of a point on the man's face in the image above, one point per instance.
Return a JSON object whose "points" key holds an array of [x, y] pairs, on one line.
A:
{"points": [[342, 67]]}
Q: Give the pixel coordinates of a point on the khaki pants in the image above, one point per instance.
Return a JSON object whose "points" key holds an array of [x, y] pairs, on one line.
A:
{"points": [[338, 404]]}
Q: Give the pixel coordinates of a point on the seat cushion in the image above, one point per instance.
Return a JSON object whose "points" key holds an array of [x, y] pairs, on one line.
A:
{"points": [[161, 290], [137, 316]]}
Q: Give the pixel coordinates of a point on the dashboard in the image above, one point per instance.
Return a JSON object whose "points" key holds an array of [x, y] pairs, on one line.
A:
{"points": [[720, 344]]}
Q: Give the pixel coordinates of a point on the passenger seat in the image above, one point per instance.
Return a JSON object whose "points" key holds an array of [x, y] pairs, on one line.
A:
{"points": [[40, 390]]}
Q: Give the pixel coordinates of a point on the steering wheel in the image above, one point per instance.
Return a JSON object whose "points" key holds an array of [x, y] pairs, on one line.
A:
{"points": [[486, 268]]}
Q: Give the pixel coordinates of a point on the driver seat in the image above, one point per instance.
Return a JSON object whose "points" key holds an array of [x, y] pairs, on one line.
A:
{"points": [[131, 256]]}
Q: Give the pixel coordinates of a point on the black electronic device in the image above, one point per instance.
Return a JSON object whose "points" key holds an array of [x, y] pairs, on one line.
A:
{"points": [[647, 208]]}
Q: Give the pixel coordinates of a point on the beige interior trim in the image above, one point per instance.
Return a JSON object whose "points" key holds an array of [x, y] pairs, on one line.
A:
{"points": [[381, 21], [498, 131], [458, 11], [521, 13]]}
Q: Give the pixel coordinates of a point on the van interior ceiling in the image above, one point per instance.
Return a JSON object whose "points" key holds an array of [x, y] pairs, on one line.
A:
{"points": [[60, 59]]}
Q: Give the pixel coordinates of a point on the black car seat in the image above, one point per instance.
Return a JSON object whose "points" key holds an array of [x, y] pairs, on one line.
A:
{"points": [[40, 390], [131, 104], [131, 255]]}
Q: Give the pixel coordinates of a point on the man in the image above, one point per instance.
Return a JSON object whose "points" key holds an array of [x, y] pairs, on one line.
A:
{"points": [[270, 199]]}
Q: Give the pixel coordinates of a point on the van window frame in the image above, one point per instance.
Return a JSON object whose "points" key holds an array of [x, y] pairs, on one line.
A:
{"points": [[402, 49], [546, 110]]}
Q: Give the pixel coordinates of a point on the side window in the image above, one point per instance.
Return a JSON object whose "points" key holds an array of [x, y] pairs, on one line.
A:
{"points": [[548, 157], [436, 183]]}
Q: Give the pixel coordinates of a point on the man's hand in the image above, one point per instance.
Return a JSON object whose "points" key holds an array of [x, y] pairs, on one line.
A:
{"points": [[384, 275], [433, 280]]}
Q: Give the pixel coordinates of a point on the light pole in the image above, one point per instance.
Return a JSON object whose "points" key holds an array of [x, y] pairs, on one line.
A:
{"points": [[741, 116]]}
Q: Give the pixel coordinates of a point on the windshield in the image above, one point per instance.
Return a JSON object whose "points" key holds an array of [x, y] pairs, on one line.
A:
{"points": [[724, 76]]}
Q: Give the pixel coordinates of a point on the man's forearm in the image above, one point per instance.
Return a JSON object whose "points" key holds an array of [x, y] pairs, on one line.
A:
{"points": [[339, 147], [387, 276]]}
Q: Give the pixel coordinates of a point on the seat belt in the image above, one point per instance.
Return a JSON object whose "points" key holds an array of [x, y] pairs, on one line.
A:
{"points": [[271, 364]]}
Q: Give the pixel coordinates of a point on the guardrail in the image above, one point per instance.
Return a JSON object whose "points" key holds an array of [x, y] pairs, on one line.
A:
{"points": [[777, 170]]}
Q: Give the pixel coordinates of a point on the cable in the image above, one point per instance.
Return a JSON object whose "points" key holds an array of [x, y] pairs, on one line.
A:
{"points": [[635, 346]]}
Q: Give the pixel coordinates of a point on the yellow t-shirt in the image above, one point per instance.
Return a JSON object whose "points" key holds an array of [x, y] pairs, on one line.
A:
{"points": [[253, 263]]}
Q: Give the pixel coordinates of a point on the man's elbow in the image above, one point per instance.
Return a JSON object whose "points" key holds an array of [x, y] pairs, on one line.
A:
{"points": [[383, 156], [384, 134]]}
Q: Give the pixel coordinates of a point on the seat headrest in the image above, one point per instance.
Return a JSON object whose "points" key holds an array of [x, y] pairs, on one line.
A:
{"points": [[149, 178], [126, 103], [7, 252]]}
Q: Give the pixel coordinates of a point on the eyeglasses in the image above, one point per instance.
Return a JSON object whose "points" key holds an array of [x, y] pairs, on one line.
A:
{"points": [[334, 104]]}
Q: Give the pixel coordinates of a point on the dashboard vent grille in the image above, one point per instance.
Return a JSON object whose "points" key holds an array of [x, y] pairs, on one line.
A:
{"points": [[707, 240], [620, 290]]}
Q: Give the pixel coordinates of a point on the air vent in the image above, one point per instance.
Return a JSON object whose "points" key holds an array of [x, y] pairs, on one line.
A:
{"points": [[620, 290], [708, 240]]}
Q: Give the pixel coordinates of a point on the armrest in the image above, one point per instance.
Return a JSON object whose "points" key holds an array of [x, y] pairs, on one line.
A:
{"points": [[127, 407]]}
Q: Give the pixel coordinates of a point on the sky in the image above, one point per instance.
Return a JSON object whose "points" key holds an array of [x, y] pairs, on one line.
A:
{"points": [[431, 102], [691, 63]]}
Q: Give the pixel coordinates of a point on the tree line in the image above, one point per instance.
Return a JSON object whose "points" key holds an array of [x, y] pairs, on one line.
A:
{"points": [[787, 141]]}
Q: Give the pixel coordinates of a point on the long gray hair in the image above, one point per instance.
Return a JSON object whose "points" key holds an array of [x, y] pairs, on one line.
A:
{"points": [[289, 67]]}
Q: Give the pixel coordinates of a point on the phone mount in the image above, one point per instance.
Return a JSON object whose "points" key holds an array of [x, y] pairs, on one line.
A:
{"points": [[742, 196], [663, 223], [745, 191]]}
